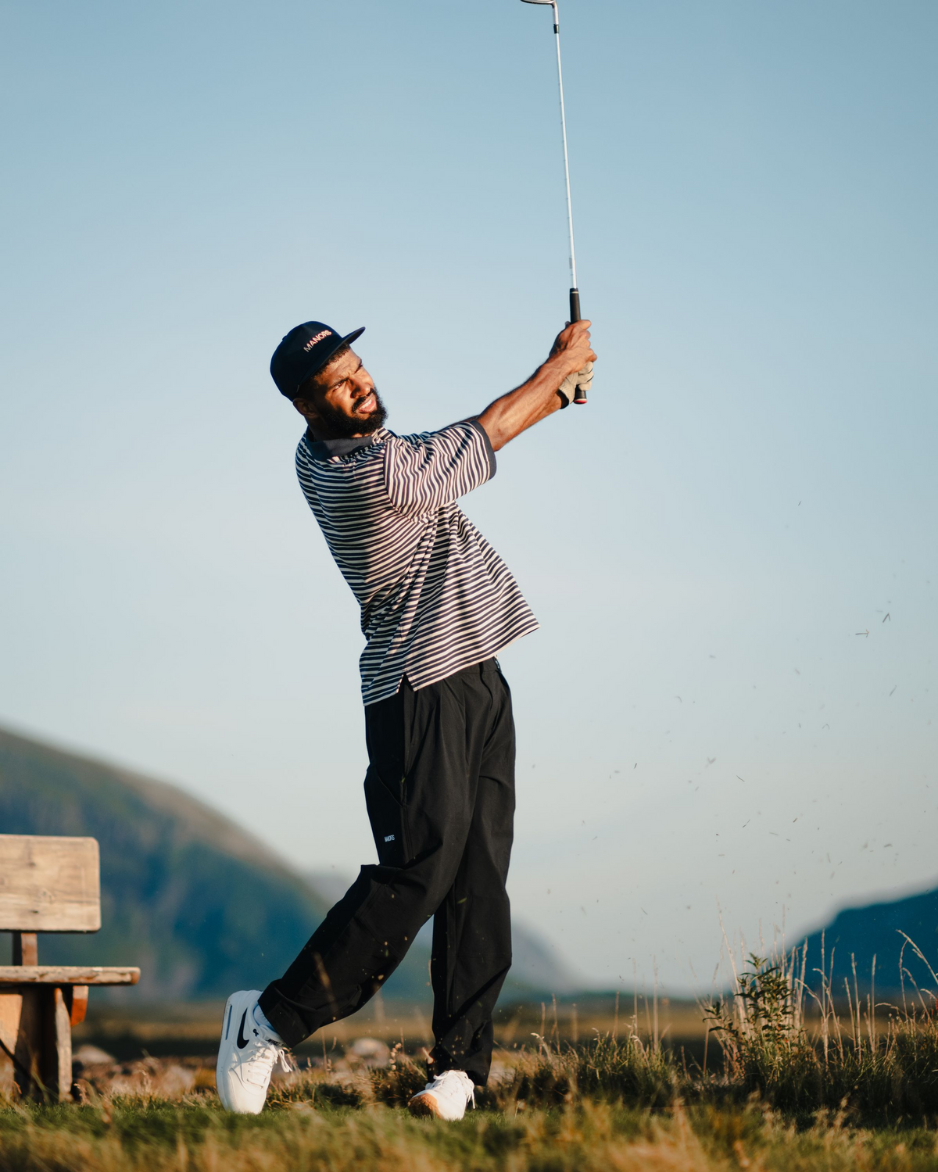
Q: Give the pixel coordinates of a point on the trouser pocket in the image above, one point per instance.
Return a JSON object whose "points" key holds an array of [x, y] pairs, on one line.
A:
{"points": [[386, 812]]}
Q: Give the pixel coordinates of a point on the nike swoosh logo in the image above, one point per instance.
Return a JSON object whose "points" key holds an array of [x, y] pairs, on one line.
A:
{"points": [[242, 1040]]}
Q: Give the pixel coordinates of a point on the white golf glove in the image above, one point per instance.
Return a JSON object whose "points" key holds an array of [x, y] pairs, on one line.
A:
{"points": [[583, 378]]}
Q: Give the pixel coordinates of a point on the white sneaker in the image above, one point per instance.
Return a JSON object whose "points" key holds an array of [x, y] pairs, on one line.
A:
{"points": [[445, 1096], [246, 1056]]}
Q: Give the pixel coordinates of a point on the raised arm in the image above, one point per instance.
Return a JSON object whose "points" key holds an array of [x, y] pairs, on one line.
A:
{"points": [[540, 396]]}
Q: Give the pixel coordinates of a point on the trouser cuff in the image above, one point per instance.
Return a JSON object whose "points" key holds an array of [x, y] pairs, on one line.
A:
{"points": [[476, 1065], [291, 1027]]}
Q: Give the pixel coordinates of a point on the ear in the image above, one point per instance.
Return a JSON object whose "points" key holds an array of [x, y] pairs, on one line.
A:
{"points": [[306, 409]]}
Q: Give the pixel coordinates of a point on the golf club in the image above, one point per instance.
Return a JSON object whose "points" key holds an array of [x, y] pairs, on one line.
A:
{"points": [[580, 395]]}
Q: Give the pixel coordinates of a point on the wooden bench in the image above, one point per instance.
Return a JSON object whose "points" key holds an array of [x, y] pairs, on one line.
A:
{"points": [[47, 884]]}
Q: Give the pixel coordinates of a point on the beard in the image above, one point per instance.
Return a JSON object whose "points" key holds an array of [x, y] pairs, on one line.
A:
{"points": [[342, 426]]}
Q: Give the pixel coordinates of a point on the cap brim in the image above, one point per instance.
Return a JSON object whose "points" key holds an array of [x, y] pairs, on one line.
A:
{"points": [[321, 360]]}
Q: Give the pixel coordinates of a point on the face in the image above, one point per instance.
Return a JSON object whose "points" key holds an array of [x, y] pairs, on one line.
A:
{"points": [[342, 402]]}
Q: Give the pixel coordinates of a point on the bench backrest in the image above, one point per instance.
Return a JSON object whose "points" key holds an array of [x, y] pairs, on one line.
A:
{"points": [[49, 884]]}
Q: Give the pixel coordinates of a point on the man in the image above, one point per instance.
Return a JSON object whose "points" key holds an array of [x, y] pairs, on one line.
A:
{"points": [[438, 604]]}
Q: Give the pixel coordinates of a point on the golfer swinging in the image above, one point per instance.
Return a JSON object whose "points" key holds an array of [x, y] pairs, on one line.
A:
{"points": [[438, 604]]}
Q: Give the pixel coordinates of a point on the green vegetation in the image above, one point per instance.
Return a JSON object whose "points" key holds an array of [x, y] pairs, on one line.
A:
{"points": [[129, 1135], [776, 1090], [875, 1068]]}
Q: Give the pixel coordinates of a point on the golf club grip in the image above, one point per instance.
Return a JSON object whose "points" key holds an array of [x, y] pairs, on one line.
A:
{"points": [[579, 396]]}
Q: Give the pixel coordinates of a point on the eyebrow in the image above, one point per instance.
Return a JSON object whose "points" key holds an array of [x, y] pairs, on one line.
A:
{"points": [[345, 377]]}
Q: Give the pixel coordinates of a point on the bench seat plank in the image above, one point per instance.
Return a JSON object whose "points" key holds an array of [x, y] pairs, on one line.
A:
{"points": [[44, 974]]}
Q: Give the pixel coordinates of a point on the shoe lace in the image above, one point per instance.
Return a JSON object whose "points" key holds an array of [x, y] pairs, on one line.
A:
{"points": [[465, 1083], [266, 1055]]}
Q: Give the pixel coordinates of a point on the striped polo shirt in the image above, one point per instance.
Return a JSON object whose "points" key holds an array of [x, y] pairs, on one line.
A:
{"points": [[435, 596]]}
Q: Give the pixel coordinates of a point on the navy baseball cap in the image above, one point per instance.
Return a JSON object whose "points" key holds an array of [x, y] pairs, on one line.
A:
{"points": [[304, 351]]}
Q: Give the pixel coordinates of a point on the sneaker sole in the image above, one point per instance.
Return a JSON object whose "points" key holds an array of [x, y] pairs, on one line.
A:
{"points": [[424, 1104]]}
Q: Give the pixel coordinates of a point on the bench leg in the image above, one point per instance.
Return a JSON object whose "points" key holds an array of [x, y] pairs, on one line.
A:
{"points": [[36, 1037], [22, 1038], [57, 1045], [11, 1005]]}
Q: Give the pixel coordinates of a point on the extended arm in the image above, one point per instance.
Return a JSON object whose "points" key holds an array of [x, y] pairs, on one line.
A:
{"points": [[539, 397]]}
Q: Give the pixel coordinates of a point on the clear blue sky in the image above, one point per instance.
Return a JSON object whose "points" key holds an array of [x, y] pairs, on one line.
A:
{"points": [[753, 482]]}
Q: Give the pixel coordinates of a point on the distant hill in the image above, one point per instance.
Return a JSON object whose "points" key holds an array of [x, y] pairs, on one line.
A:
{"points": [[860, 933], [198, 903]]}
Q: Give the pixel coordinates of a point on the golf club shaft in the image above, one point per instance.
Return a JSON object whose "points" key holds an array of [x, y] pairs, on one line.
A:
{"points": [[580, 394]]}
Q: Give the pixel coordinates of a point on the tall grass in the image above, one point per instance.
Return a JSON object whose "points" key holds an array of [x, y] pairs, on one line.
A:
{"points": [[777, 1039], [797, 1078], [802, 1047]]}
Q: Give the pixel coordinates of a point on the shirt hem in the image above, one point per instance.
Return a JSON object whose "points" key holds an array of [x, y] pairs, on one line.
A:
{"points": [[471, 662]]}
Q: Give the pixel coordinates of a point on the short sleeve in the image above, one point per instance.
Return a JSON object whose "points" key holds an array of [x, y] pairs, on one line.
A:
{"points": [[424, 472]]}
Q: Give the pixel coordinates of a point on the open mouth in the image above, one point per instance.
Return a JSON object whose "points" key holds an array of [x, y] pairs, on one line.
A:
{"points": [[367, 405]]}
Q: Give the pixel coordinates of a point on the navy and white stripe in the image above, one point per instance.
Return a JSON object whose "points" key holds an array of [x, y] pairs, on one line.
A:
{"points": [[435, 596]]}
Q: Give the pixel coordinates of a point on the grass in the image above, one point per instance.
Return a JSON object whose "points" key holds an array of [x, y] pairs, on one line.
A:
{"points": [[791, 1079], [143, 1134]]}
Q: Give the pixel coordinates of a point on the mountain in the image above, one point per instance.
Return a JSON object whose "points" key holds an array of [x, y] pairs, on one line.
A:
{"points": [[198, 903], [861, 933]]}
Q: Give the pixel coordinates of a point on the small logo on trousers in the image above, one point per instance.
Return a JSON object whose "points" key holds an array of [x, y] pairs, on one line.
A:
{"points": [[389, 838]]}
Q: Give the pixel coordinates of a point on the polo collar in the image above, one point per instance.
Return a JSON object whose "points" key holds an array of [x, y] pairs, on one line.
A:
{"points": [[327, 449]]}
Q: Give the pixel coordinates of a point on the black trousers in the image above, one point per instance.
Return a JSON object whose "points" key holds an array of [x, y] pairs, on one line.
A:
{"points": [[441, 796]]}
